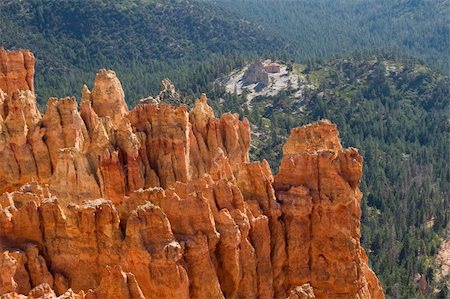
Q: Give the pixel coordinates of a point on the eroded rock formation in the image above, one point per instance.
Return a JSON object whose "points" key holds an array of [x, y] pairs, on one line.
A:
{"points": [[256, 74], [162, 202], [16, 70]]}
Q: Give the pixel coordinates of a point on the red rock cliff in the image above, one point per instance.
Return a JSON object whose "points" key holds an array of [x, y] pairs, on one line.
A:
{"points": [[162, 202]]}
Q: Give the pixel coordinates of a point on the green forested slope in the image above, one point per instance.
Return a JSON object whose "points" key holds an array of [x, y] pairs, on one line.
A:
{"points": [[399, 120], [192, 42], [144, 41], [323, 28]]}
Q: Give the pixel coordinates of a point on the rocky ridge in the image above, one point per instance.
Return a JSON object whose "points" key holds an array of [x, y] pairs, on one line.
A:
{"points": [[99, 201]]}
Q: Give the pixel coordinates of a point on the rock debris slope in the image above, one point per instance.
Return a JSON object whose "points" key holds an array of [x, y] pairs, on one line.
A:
{"points": [[162, 202]]}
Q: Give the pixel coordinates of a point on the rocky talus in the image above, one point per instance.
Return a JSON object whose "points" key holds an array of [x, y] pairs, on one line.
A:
{"points": [[99, 201]]}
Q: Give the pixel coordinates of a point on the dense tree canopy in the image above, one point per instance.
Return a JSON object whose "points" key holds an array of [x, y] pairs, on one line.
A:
{"points": [[144, 41], [323, 28]]}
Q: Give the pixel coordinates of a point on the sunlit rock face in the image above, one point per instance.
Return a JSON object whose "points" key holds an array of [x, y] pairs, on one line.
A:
{"points": [[16, 70], [99, 201]]}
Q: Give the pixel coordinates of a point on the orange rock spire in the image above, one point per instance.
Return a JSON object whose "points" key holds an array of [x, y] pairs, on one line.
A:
{"points": [[16, 70], [162, 202]]}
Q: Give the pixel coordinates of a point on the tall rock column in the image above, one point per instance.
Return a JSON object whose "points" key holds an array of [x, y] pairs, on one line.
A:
{"points": [[16, 70], [317, 187], [18, 116], [108, 98], [164, 138], [209, 134]]}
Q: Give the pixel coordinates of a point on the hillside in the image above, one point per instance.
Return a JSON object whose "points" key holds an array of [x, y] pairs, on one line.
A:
{"points": [[194, 42], [321, 28], [144, 41], [395, 110]]}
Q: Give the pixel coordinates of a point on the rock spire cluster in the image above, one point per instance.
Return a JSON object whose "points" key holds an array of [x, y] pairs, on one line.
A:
{"points": [[99, 201]]}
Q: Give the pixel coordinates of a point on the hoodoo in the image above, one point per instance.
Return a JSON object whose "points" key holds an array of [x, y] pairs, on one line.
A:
{"points": [[162, 202]]}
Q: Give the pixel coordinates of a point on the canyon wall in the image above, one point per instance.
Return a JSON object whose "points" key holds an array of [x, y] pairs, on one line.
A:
{"points": [[99, 201]]}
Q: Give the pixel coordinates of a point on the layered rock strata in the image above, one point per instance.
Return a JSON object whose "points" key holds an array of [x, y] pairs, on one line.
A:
{"points": [[99, 201]]}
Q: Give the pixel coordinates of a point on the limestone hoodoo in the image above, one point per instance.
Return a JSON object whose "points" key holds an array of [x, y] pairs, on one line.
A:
{"points": [[16, 70], [317, 187], [98, 201]]}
